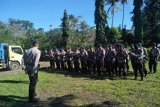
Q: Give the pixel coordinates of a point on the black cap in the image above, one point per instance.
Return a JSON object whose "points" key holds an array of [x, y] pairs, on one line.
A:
{"points": [[136, 46], [154, 44], [140, 44]]}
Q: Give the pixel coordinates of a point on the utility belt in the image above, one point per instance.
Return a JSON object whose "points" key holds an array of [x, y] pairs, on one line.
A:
{"points": [[122, 61], [138, 61], [70, 59], [110, 60]]}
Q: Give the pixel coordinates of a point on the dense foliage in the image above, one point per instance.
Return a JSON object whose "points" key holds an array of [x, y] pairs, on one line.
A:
{"points": [[152, 20], [65, 29], [137, 20], [100, 21]]}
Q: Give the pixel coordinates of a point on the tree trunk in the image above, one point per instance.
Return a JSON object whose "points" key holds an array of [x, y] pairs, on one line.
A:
{"points": [[123, 17], [112, 19]]}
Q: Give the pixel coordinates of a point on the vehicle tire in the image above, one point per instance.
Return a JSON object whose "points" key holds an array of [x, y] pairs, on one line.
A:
{"points": [[14, 66]]}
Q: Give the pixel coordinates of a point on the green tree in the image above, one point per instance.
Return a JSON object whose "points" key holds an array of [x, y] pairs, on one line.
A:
{"points": [[81, 34], [114, 35], [137, 20], [100, 21], [55, 36], [65, 28], [151, 15]]}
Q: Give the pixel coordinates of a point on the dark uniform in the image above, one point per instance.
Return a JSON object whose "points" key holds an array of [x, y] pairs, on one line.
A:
{"points": [[109, 62], [76, 59], [100, 54], [63, 60], [144, 53], [57, 59], [69, 56], [138, 62], [132, 50], [83, 57], [122, 62], [52, 62], [90, 60], [153, 56]]}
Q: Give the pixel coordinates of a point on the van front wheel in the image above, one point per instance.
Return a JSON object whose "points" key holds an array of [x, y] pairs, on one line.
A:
{"points": [[14, 66]]}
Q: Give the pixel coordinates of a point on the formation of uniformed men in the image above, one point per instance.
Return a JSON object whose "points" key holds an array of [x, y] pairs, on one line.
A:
{"points": [[110, 60]]}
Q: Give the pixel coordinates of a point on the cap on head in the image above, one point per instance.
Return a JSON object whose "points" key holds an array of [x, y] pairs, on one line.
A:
{"points": [[136, 46], [139, 44], [154, 44]]}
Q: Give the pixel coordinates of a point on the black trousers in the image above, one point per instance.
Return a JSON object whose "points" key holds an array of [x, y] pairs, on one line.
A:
{"points": [[144, 67], [138, 67], [70, 65], [99, 66], [58, 64], [153, 65], [122, 69], [77, 66], [52, 63], [83, 66], [63, 65], [109, 65], [32, 86], [90, 66]]}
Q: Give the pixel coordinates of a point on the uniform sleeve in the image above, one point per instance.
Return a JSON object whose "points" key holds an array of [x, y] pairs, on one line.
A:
{"points": [[37, 61], [158, 52], [24, 58]]}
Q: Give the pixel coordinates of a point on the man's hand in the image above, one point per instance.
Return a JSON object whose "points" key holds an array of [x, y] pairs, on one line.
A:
{"points": [[32, 75]]}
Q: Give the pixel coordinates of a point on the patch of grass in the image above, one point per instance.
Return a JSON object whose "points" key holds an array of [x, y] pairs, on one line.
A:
{"points": [[58, 89]]}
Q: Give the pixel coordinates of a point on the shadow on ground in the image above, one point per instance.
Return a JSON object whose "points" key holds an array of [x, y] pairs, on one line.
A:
{"points": [[64, 101], [130, 75], [14, 101], [14, 81]]}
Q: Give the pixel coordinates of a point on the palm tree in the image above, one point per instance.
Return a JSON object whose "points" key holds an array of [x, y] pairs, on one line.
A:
{"points": [[113, 7], [123, 2]]}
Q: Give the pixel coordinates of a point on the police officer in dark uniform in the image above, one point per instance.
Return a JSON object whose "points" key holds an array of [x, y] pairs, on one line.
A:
{"points": [[122, 61], [90, 60], [144, 52], [63, 59], [154, 53], [76, 59], [100, 54], [109, 61], [132, 50], [138, 61], [83, 57], [51, 55], [57, 59], [70, 60]]}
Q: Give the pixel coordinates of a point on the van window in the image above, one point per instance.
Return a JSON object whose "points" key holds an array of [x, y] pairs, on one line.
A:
{"points": [[17, 50]]}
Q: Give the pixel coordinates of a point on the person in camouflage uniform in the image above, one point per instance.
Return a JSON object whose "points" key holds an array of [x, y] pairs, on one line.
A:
{"points": [[90, 60], [154, 53], [63, 59], [138, 61], [76, 59], [100, 54], [122, 61], [57, 59], [83, 57], [109, 61], [70, 60]]}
